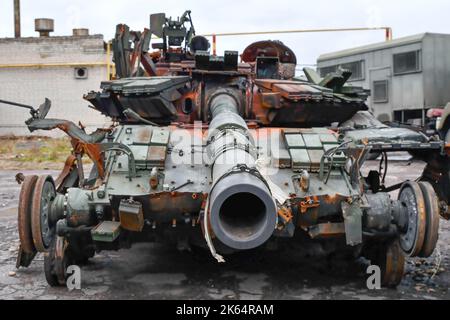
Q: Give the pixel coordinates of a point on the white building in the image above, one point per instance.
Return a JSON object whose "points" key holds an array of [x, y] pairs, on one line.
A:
{"points": [[62, 69], [406, 76]]}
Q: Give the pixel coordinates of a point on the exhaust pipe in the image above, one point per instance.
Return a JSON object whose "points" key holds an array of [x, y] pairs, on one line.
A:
{"points": [[243, 213]]}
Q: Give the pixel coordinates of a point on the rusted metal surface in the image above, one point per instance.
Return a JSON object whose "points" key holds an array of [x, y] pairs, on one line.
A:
{"points": [[285, 214], [309, 203], [24, 259], [242, 149], [154, 178], [61, 261], [24, 216], [94, 152], [44, 193], [432, 215], [71, 129], [157, 156], [327, 230], [392, 263], [163, 206], [412, 197], [131, 216], [446, 212], [437, 172], [69, 166], [285, 102], [269, 49]]}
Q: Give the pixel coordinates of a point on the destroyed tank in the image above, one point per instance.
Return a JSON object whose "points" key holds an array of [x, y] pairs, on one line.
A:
{"points": [[229, 153]]}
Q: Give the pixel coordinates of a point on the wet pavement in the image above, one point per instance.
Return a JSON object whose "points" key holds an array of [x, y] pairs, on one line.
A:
{"points": [[155, 271]]}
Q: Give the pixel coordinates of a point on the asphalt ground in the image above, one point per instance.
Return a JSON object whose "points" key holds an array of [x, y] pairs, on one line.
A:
{"points": [[159, 271]]}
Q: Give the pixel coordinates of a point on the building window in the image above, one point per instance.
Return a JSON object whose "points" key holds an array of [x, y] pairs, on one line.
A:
{"points": [[327, 70], [407, 62], [380, 91], [357, 69]]}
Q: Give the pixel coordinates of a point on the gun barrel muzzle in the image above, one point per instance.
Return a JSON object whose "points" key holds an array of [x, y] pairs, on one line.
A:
{"points": [[243, 213]]}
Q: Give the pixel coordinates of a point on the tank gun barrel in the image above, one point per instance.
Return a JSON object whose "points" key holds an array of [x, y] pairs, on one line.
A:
{"points": [[242, 210]]}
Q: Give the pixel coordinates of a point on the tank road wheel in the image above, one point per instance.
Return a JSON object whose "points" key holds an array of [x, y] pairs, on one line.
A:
{"points": [[24, 216], [42, 229], [27, 251], [56, 261], [433, 218], [49, 261], [412, 240], [391, 260]]}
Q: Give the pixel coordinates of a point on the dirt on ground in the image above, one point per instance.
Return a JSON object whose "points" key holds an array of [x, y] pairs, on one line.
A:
{"points": [[33, 153]]}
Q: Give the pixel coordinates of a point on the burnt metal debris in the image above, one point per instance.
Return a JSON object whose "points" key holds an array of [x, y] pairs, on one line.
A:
{"points": [[229, 155]]}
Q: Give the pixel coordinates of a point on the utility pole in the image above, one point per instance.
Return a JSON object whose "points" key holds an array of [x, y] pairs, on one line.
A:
{"points": [[17, 18]]}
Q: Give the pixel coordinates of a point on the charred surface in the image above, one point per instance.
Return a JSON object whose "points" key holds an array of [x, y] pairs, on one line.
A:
{"points": [[208, 151]]}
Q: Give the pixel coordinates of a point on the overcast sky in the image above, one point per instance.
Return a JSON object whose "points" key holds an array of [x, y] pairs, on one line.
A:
{"points": [[406, 17]]}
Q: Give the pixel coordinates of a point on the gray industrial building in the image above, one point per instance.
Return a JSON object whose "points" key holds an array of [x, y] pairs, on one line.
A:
{"points": [[406, 76], [61, 68]]}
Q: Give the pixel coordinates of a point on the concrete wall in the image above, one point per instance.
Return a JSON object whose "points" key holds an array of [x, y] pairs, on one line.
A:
{"points": [[32, 85]]}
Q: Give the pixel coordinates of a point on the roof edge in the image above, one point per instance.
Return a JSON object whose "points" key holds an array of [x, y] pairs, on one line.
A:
{"points": [[378, 46], [51, 38]]}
